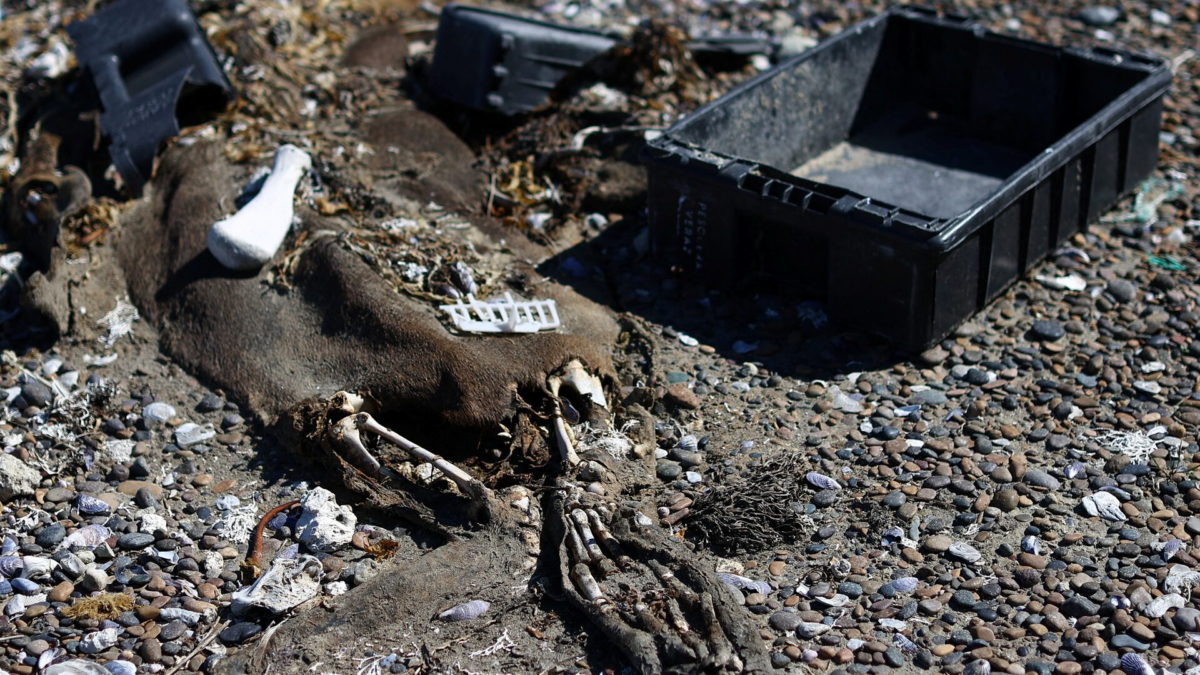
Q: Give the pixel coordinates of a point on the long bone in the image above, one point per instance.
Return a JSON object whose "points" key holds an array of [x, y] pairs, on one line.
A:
{"points": [[586, 384], [345, 433], [248, 239], [471, 487]]}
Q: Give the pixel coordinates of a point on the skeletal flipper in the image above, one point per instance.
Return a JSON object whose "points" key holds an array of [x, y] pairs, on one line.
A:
{"points": [[662, 609]]}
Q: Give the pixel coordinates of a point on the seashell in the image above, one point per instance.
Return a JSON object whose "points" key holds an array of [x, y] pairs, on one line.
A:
{"points": [[1159, 606], [1030, 544], [965, 552], [892, 536], [37, 567], [1117, 491], [1171, 547], [121, 668], [821, 481], [908, 410], [466, 611], [905, 644], [1104, 505], [1117, 602], [94, 643], [47, 657], [894, 624], [978, 667], [19, 603], [76, 667], [11, 566], [1074, 469], [838, 600], [809, 630], [809, 655], [1133, 664], [5, 587], [189, 617], [88, 537], [689, 443], [9, 547], [91, 506], [286, 584], [25, 586], [745, 583], [904, 584]]}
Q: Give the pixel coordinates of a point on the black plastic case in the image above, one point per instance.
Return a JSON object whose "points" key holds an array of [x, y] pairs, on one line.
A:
{"points": [[152, 68], [905, 171]]}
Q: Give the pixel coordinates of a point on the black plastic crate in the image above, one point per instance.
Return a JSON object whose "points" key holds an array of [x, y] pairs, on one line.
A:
{"points": [[905, 171]]}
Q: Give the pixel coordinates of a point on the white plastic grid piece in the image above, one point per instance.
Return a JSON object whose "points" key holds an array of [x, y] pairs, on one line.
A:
{"points": [[503, 315]]}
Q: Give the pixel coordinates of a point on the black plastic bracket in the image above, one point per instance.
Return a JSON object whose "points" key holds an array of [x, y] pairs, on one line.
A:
{"points": [[148, 59]]}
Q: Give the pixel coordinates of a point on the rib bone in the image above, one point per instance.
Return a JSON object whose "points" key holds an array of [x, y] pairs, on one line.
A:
{"points": [[248, 239]]}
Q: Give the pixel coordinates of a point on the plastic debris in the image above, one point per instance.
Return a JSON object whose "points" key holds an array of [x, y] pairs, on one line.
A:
{"points": [[1166, 262], [503, 315], [1151, 194], [286, 584], [324, 525], [142, 56]]}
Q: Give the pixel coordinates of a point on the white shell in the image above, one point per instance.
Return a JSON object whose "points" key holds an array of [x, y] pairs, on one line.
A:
{"points": [[809, 630], [465, 611], [1133, 664], [94, 643], [821, 481], [965, 552], [1161, 604], [904, 584], [838, 600], [286, 584], [37, 567], [76, 667], [1104, 505]]}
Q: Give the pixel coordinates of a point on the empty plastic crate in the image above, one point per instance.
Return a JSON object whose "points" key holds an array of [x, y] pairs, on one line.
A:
{"points": [[905, 171]]}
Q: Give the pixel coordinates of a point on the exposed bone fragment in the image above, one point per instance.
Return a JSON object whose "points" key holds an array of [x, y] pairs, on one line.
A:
{"points": [[465, 482], [345, 435], [585, 534], [587, 584], [248, 239]]}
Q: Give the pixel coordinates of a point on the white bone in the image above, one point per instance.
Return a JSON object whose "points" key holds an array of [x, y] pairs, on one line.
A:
{"points": [[345, 433], [465, 482], [248, 239], [584, 382]]}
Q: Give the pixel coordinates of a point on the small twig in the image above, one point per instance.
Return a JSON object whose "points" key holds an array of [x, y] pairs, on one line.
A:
{"points": [[199, 646]]}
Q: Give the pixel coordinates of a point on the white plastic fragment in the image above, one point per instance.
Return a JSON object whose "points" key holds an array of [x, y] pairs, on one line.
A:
{"points": [[324, 525], [503, 315], [286, 584], [248, 239]]}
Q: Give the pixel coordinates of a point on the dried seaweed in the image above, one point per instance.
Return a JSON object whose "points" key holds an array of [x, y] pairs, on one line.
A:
{"points": [[99, 608], [755, 512]]}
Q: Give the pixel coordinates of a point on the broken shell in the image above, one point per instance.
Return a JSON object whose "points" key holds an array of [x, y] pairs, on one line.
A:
{"points": [[11, 566], [286, 584], [87, 537], [689, 443], [91, 506], [822, 481], [1113, 489], [1074, 469], [809, 630], [465, 611], [978, 667], [37, 567], [1133, 664], [745, 583], [94, 643], [76, 667], [1030, 544], [904, 584], [838, 600], [905, 644], [1159, 606], [894, 624], [121, 668], [1170, 548], [9, 547], [1104, 505], [1117, 602], [25, 586], [965, 552]]}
